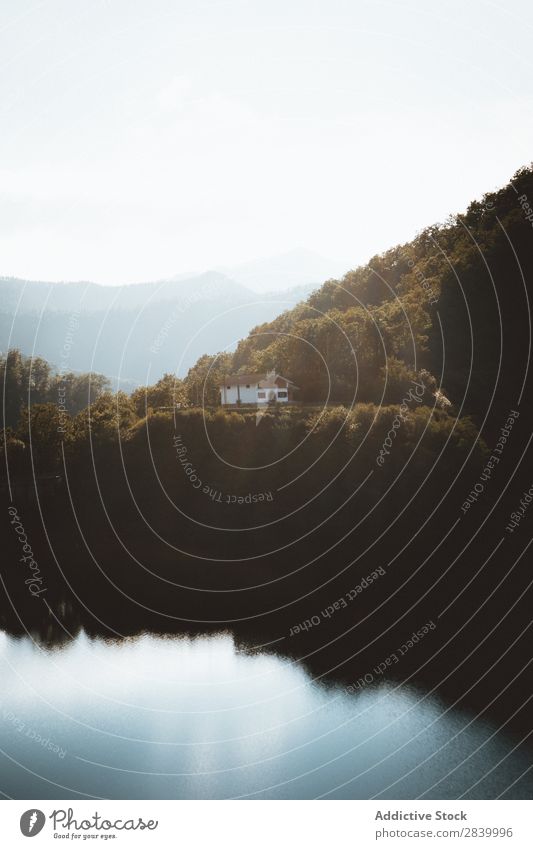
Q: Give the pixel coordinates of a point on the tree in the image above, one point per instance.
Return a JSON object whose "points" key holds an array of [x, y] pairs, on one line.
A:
{"points": [[107, 419], [169, 391], [78, 390], [12, 376], [204, 378], [43, 429]]}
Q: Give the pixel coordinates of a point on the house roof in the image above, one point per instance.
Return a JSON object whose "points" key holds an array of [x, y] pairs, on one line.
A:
{"points": [[265, 380], [269, 381], [242, 379]]}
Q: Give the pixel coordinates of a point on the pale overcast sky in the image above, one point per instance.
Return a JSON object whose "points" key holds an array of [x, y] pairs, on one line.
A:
{"points": [[140, 139]]}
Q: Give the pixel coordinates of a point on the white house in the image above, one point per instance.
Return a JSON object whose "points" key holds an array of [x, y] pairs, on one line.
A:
{"points": [[256, 389]]}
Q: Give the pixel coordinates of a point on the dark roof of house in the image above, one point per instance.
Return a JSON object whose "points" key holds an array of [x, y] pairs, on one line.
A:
{"points": [[242, 379], [245, 379]]}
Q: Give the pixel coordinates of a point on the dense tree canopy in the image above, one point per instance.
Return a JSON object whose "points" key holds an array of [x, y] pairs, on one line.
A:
{"points": [[438, 304], [27, 381], [431, 313]]}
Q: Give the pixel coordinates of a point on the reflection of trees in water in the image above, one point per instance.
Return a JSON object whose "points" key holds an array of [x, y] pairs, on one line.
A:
{"points": [[332, 654]]}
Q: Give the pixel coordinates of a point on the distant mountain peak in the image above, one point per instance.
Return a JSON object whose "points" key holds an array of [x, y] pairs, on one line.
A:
{"points": [[296, 267]]}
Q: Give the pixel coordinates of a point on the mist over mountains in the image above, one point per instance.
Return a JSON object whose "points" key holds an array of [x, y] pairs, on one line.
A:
{"points": [[298, 267], [135, 333]]}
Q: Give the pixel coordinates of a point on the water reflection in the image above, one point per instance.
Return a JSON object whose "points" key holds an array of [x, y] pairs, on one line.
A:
{"points": [[206, 716]]}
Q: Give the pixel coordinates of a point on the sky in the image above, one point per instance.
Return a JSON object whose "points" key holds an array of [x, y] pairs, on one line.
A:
{"points": [[139, 140]]}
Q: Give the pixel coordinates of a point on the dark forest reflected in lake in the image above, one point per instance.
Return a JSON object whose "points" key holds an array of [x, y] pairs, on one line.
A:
{"points": [[181, 717]]}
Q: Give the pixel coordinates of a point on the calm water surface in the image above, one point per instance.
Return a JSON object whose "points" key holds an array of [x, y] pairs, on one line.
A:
{"points": [[156, 717]]}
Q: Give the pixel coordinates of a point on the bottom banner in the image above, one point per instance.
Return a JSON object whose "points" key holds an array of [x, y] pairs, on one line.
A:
{"points": [[263, 824]]}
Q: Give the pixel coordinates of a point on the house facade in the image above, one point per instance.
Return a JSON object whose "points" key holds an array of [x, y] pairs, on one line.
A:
{"points": [[256, 389]]}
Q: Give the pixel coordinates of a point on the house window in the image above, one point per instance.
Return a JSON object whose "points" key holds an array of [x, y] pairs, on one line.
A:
{"points": [[282, 393], [261, 394]]}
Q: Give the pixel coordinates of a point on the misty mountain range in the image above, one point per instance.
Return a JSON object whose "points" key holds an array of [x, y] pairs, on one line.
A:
{"points": [[289, 270], [135, 333]]}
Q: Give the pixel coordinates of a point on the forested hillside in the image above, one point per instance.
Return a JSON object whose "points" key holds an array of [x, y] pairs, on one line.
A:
{"points": [[30, 381], [417, 464], [439, 303]]}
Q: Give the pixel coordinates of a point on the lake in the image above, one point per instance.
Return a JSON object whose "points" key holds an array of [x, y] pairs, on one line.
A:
{"points": [[181, 717]]}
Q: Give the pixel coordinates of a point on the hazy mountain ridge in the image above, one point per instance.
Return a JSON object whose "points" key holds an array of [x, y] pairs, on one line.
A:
{"points": [[136, 332], [94, 297], [298, 267]]}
